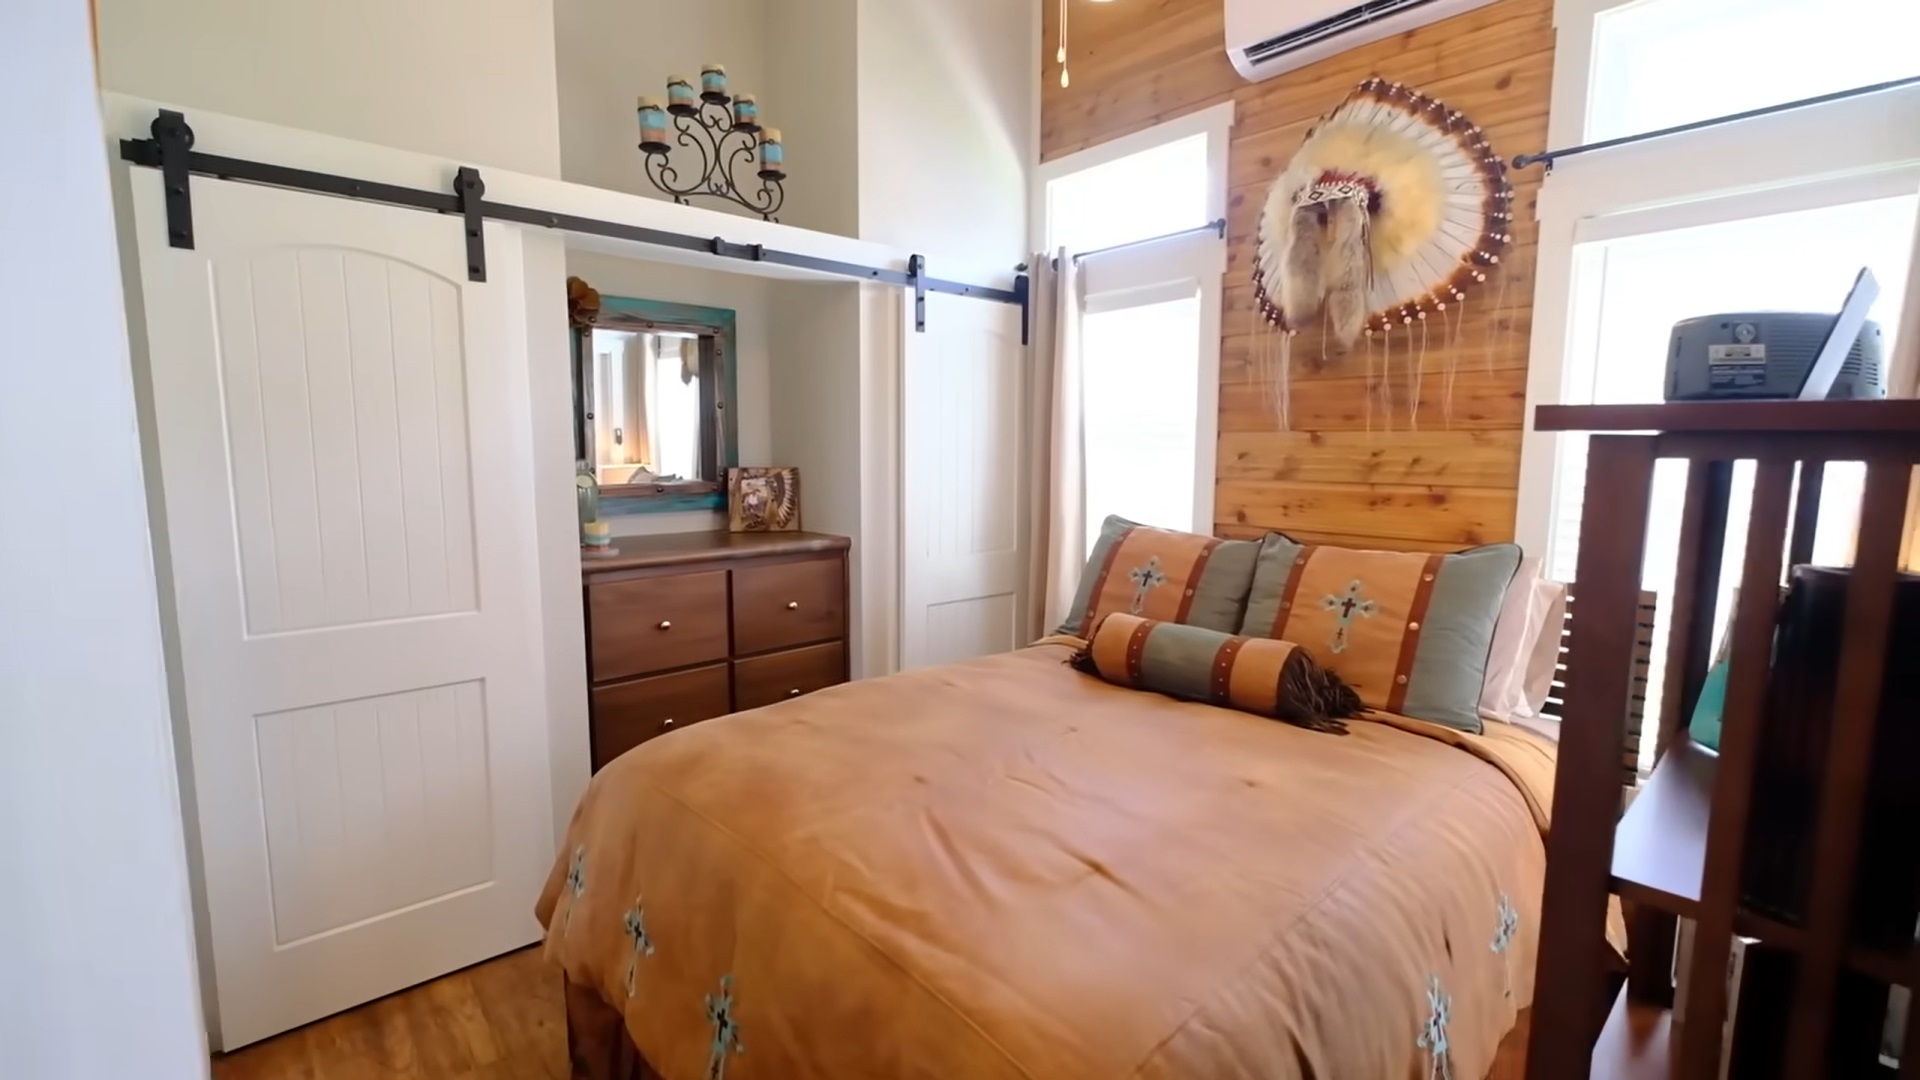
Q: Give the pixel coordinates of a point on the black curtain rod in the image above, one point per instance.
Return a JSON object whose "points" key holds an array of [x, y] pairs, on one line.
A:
{"points": [[170, 151], [1218, 227], [1548, 157]]}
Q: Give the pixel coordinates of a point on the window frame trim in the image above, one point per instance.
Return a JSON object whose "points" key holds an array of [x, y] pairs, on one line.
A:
{"points": [[1198, 257], [1215, 122]]}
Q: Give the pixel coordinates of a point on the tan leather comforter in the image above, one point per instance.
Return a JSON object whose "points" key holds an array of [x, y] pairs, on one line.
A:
{"points": [[1005, 868]]}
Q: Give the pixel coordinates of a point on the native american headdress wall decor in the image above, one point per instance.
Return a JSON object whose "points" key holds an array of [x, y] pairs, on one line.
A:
{"points": [[1393, 207]]}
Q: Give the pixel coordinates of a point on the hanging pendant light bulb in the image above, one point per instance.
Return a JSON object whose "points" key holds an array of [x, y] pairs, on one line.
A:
{"points": [[1061, 55]]}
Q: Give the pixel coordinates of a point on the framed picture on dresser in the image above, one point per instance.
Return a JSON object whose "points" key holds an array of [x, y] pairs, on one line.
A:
{"points": [[763, 499]]}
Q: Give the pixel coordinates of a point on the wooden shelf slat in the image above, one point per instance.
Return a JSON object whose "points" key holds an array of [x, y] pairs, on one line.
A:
{"points": [[1853, 417], [1893, 967], [1660, 845], [1636, 1043]]}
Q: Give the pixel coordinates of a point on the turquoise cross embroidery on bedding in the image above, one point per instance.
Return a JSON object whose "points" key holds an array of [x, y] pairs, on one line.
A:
{"points": [[726, 1030], [642, 943], [1508, 925], [1433, 1036], [576, 885]]}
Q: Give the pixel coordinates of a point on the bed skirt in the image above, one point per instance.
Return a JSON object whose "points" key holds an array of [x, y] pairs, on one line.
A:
{"points": [[599, 1047]]}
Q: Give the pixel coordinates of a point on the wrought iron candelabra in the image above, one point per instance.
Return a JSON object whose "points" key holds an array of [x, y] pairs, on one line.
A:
{"points": [[725, 133]]}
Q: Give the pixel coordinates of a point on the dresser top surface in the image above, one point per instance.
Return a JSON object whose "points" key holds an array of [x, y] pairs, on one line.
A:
{"points": [[676, 549]]}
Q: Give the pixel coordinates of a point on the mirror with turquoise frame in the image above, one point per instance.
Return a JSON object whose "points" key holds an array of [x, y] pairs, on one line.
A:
{"points": [[654, 390]]}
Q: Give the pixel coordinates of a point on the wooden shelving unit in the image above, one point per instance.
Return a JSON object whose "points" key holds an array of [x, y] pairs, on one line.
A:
{"points": [[1678, 850]]}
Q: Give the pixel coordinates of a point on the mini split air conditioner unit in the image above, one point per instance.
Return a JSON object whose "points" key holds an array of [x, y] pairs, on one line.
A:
{"points": [[1267, 37]]}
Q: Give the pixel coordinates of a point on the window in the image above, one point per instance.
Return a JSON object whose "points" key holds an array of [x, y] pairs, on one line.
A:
{"points": [[1140, 393], [1150, 193], [1670, 62], [1770, 213], [673, 402], [1134, 214], [1638, 287]]}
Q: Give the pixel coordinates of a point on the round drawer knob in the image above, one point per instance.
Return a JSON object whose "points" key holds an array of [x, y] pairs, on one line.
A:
{"points": [[668, 722], [793, 605], [666, 624], [795, 692]]}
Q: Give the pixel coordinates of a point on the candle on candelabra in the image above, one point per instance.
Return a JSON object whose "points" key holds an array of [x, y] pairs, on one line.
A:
{"points": [[713, 82], [746, 113], [653, 125], [680, 95], [773, 156]]}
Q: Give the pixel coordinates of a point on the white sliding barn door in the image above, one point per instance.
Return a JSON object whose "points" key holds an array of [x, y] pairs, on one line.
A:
{"points": [[963, 567], [344, 453]]}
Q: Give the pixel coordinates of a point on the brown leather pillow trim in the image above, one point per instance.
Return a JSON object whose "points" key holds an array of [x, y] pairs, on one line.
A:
{"points": [[1293, 588], [1410, 634], [1100, 583], [1136, 651], [1220, 686], [1193, 579]]}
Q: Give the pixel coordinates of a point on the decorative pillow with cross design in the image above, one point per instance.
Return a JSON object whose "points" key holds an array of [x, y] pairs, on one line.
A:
{"points": [[1171, 576], [1408, 630]]}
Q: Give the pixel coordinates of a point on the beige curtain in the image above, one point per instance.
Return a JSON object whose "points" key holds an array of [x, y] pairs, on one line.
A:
{"points": [[642, 354], [1057, 509]]}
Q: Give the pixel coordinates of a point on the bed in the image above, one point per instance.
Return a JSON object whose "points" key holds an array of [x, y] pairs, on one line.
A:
{"points": [[1007, 868]]}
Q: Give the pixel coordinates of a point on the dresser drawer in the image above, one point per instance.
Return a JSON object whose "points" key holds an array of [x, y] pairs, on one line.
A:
{"points": [[629, 713], [779, 605], [763, 680], [657, 623]]}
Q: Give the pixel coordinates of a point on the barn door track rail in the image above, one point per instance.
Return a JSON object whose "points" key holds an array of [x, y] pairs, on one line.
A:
{"points": [[171, 151]]}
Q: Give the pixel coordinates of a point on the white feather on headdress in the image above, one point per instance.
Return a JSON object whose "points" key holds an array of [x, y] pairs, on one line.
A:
{"points": [[1392, 208]]}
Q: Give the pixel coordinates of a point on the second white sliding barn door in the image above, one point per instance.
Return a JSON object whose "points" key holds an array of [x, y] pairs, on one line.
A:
{"points": [[963, 563]]}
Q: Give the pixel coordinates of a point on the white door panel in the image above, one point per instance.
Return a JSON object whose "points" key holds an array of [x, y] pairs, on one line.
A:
{"points": [[339, 419], [963, 563]]}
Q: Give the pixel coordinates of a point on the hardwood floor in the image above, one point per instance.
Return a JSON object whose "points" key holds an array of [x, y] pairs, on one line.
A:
{"points": [[501, 1020]]}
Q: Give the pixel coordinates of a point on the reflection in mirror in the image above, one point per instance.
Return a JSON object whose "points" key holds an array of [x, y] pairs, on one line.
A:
{"points": [[647, 408], [653, 386]]}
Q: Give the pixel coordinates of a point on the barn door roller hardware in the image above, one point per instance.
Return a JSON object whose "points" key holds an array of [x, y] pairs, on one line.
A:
{"points": [[171, 151]]}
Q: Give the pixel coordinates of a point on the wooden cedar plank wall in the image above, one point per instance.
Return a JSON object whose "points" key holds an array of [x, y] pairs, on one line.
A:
{"points": [[1344, 472]]}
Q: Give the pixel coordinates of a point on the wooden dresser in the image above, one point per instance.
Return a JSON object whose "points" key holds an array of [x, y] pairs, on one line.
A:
{"points": [[686, 627]]}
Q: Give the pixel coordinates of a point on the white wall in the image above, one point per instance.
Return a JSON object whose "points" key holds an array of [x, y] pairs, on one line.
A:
{"points": [[748, 297], [815, 103], [471, 80], [610, 52], [95, 906], [818, 424], [556, 539], [948, 117]]}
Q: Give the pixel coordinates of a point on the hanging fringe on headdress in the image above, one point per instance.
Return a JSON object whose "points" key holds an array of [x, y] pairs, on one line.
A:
{"points": [[1391, 209], [1493, 319], [1453, 354], [1418, 384], [1386, 377]]}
